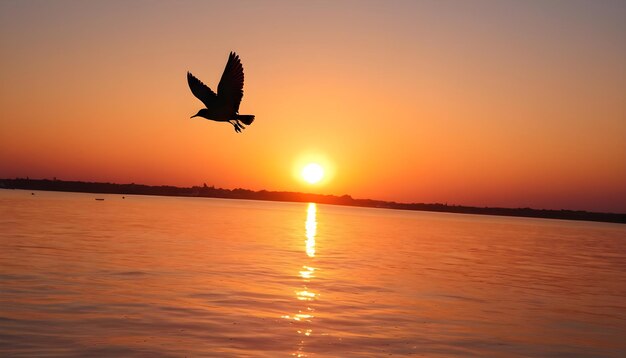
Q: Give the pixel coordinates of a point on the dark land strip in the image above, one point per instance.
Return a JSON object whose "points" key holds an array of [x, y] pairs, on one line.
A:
{"points": [[212, 192]]}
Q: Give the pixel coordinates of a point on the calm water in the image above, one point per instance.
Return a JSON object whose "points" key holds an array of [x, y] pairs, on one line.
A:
{"points": [[158, 276]]}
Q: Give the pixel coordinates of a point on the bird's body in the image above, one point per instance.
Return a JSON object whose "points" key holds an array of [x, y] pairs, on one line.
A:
{"points": [[223, 106]]}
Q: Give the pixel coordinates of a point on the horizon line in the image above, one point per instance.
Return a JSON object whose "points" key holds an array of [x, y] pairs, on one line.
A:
{"points": [[344, 196]]}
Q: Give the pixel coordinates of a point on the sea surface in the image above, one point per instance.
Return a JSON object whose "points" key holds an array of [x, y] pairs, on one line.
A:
{"points": [[149, 276]]}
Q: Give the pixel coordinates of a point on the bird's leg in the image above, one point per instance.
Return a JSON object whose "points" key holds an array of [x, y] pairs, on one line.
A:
{"points": [[237, 127]]}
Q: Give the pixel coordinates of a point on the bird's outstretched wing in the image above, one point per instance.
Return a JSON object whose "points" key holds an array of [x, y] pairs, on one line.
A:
{"points": [[230, 88], [201, 91]]}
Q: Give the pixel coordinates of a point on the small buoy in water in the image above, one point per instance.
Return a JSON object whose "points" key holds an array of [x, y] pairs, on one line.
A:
{"points": [[123, 197], [32, 193]]}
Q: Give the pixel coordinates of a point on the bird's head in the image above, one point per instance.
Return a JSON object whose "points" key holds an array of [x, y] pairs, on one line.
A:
{"points": [[201, 113]]}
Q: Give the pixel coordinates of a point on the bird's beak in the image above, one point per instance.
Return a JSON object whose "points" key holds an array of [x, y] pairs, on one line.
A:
{"points": [[195, 115]]}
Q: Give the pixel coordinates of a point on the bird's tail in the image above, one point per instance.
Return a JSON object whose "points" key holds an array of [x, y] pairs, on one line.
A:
{"points": [[247, 119]]}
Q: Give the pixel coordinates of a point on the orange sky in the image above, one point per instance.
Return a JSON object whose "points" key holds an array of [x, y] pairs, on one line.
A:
{"points": [[478, 103]]}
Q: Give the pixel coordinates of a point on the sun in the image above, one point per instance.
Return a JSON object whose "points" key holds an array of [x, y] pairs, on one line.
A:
{"points": [[312, 173]]}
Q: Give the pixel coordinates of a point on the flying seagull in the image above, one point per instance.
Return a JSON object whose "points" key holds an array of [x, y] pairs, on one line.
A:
{"points": [[223, 106]]}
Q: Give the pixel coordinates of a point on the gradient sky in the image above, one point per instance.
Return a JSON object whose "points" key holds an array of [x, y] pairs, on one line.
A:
{"points": [[487, 103]]}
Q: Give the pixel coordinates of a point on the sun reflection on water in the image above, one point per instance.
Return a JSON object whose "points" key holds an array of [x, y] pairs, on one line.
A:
{"points": [[306, 273], [310, 229], [305, 295]]}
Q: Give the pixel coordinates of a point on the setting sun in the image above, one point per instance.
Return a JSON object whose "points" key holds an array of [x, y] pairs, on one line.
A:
{"points": [[312, 173]]}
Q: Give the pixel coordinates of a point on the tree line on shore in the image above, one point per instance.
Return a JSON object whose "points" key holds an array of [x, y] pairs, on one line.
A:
{"points": [[238, 193]]}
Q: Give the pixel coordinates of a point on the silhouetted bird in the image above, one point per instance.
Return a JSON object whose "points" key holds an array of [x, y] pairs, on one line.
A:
{"points": [[223, 106]]}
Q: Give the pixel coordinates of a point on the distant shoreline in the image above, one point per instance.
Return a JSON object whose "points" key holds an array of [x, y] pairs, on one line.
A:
{"points": [[347, 200]]}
